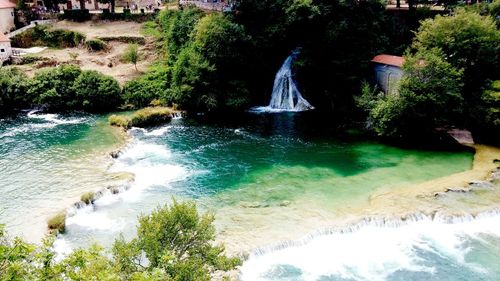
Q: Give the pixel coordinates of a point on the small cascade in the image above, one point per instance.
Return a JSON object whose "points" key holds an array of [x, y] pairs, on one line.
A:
{"points": [[382, 248], [177, 115], [286, 95]]}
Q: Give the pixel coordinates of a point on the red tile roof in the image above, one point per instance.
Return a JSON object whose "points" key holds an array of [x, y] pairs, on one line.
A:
{"points": [[4, 4], [389, 60], [4, 38]]}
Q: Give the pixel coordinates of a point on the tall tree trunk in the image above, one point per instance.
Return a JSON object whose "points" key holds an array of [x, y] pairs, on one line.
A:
{"points": [[82, 4]]}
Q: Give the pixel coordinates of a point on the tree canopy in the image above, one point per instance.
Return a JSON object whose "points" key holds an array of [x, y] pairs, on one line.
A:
{"points": [[173, 243]]}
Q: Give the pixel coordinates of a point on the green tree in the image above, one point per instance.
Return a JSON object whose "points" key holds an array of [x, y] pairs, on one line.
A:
{"points": [[173, 243], [54, 87], [428, 97], [97, 92], [209, 71], [13, 90], [469, 41], [488, 111], [131, 55]]}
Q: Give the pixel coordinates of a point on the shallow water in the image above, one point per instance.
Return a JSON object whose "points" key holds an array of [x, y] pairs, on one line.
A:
{"points": [[46, 161], [268, 178]]}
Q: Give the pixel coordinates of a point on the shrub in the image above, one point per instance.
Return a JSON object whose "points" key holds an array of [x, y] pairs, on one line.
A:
{"points": [[55, 87], [97, 92], [131, 55], [29, 59], [140, 92], [14, 87], [88, 197], [57, 223], [125, 39], [95, 45], [119, 121], [41, 35]]}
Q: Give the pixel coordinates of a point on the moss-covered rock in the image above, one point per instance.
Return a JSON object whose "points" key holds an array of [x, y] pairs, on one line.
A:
{"points": [[151, 116], [88, 197], [119, 121], [57, 223], [146, 117]]}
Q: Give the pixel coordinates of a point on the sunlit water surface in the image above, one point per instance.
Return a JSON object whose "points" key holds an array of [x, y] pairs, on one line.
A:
{"points": [[267, 177]]}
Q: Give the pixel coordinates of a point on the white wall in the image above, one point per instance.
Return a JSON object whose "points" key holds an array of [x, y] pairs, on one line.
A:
{"points": [[6, 20], [89, 5], [7, 51]]}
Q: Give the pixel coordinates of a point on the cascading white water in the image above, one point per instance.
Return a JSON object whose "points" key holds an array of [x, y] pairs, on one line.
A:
{"points": [[286, 96]]}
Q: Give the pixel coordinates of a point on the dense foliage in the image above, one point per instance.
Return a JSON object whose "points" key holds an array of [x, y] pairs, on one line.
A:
{"points": [[428, 97], [228, 61], [41, 35], [447, 79], [62, 88], [173, 243], [13, 88]]}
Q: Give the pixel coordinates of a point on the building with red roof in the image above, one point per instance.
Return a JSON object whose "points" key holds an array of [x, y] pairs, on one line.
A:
{"points": [[388, 72]]}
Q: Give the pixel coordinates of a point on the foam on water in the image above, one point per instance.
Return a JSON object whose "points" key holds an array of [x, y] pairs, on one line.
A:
{"points": [[48, 121], [373, 250], [152, 166], [86, 217], [158, 132]]}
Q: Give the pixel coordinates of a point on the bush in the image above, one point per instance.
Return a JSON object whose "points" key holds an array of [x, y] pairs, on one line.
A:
{"points": [[140, 92], [57, 223], [14, 87], [87, 197], [96, 45], [125, 39], [97, 92], [29, 59], [55, 87], [131, 55], [41, 35]]}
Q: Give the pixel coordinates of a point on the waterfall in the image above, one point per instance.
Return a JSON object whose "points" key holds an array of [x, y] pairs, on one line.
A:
{"points": [[286, 96]]}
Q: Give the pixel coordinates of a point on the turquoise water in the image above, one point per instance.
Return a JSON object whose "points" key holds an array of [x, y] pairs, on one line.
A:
{"points": [[46, 161], [268, 178]]}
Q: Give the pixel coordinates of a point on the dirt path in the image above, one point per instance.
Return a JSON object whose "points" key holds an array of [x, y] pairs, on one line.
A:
{"points": [[102, 28]]}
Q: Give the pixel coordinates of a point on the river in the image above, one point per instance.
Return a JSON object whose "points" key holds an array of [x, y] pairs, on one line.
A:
{"points": [[277, 184]]}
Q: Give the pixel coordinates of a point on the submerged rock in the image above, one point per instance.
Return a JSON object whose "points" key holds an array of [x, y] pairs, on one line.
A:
{"points": [[458, 190], [285, 203], [115, 154], [254, 205]]}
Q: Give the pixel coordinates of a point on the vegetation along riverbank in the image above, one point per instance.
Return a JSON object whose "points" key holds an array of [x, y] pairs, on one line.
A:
{"points": [[269, 120]]}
